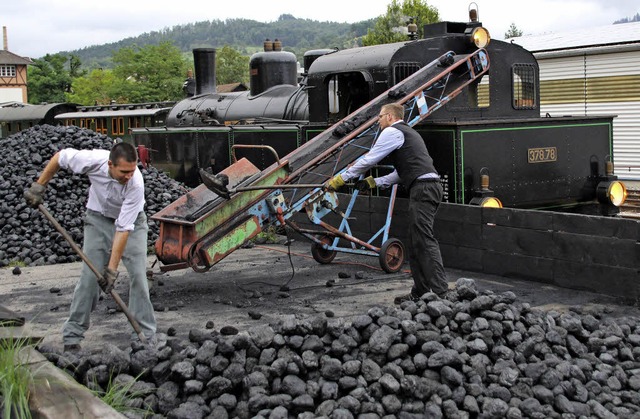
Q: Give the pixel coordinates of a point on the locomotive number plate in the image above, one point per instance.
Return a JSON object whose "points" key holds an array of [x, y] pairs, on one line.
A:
{"points": [[542, 155]]}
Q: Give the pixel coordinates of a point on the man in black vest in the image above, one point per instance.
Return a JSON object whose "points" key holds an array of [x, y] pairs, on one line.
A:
{"points": [[415, 171]]}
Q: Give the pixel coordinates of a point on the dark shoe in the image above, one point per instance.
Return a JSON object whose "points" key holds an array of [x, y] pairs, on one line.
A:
{"points": [[72, 347], [407, 297]]}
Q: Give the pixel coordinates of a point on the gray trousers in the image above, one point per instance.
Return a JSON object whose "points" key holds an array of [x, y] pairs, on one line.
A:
{"points": [[98, 238], [424, 251]]}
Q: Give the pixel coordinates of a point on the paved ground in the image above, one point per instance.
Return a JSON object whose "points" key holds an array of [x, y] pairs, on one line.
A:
{"points": [[251, 281]]}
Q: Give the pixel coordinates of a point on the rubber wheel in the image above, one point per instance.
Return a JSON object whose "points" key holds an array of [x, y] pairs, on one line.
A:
{"points": [[392, 255], [321, 255]]}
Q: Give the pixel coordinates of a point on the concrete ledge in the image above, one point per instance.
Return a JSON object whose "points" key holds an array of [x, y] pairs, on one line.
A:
{"points": [[57, 395]]}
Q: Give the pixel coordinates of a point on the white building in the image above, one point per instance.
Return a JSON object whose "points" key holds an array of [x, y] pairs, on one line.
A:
{"points": [[594, 71]]}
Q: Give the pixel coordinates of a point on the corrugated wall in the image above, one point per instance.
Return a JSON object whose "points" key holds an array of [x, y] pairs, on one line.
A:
{"points": [[604, 84]]}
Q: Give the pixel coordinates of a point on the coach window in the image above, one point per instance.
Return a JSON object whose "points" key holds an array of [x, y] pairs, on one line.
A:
{"points": [[117, 126], [524, 86], [101, 126]]}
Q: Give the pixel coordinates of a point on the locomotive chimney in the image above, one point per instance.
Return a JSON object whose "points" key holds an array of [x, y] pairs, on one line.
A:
{"points": [[204, 61], [5, 41]]}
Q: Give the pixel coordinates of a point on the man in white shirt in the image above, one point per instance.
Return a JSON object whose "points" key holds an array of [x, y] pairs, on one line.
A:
{"points": [[415, 171], [115, 228]]}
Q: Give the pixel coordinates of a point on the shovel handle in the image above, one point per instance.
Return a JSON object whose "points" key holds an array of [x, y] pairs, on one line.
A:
{"points": [[98, 274]]}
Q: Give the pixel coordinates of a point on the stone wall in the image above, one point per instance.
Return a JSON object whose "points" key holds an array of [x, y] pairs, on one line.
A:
{"points": [[599, 254]]}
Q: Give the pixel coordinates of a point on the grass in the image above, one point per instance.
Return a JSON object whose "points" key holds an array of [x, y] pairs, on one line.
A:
{"points": [[15, 380], [268, 235], [18, 263], [118, 396]]}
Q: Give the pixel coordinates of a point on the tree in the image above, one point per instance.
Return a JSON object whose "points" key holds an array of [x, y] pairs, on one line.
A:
{"points": [[151, 73], [389, 27], [50, 80], [74, 67], [231, 66], [513, 32], [97, 88]]}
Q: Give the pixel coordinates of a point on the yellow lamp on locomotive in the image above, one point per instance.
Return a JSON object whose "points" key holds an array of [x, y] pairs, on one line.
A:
{"points": [[484, 197], [612, 192], [480, 37], [475, 33], [486, 202]]}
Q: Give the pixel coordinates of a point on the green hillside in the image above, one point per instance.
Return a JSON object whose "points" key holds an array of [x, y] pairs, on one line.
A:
{"points": [[246, 36]]}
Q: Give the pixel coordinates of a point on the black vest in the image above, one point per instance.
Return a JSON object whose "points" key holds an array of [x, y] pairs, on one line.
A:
{"points": [[412, 159]]}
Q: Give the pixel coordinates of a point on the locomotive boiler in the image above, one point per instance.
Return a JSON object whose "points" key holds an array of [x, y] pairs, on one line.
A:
{"points": [[488, 142]]}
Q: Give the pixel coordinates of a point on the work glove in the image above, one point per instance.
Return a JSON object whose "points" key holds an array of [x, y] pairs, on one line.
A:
{"points": [[366, 184], [34, 195], [335, 183], [107, 280]]}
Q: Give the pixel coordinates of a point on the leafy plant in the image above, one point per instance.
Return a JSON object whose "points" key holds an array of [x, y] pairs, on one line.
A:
{"points": [[15, 380]]}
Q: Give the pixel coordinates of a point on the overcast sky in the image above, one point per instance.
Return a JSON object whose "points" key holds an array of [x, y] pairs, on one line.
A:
{"points": [[38, 27]]}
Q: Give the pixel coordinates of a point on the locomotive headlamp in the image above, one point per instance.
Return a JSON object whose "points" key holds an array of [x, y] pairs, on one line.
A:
{"points": [[486, 202], [611, 192], [480, 36], [484, 197]]}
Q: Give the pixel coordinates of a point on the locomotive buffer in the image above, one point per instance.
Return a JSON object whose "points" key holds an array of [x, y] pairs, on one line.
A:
{"points": [[202, 227]]}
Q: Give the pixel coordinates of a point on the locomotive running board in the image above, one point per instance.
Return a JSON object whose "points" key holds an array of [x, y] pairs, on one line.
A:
{"points": [[201, 228]]}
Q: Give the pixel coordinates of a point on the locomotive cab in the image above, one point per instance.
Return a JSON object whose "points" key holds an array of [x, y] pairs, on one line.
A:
{"points": [[342, 81]]}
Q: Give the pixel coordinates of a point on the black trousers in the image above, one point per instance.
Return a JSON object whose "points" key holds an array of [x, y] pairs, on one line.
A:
{"points": [[424, 251]]}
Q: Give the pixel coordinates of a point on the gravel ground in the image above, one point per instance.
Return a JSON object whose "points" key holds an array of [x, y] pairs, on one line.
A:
{"points": [[267, 335]]}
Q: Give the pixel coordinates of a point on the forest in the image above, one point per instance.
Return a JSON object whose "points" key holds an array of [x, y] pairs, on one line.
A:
{"points": [[244, 35]]}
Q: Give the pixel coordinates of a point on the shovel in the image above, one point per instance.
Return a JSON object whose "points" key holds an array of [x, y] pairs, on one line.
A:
{"points": [[97, 273]]}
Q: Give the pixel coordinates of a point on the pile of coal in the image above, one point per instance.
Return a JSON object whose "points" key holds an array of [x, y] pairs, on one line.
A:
{"points": [[25, 235], [474, 354]]}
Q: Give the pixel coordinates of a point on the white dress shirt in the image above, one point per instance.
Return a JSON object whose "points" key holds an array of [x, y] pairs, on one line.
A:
{"points": [[107, 196], [390, 139]]}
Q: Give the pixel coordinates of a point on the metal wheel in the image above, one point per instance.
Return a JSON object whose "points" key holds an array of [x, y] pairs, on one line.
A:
{"points": [[321, 255], [392, 255]]}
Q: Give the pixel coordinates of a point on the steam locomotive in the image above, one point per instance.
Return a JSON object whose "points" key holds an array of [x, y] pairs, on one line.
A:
{"points": [[489, 141]]}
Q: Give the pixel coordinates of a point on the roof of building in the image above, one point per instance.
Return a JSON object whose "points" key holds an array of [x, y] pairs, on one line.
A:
{"points": [[622, 33], [7, 57], [231, 87]]}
